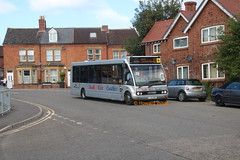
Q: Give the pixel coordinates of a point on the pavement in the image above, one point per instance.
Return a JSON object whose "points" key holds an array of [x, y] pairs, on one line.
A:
{"points": [[21, 113]]}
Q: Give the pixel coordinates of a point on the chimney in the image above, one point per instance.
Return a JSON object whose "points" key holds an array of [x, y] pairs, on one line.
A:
{"points": [[190, 6], [105, 28], [42, 23]]}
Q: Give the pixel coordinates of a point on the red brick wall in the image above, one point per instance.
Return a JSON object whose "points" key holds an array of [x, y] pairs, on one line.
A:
{"points": [[69, 53], [211, 15]]}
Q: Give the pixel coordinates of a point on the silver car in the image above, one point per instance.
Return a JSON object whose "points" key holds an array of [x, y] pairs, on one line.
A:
{"points": [[182, 89]]}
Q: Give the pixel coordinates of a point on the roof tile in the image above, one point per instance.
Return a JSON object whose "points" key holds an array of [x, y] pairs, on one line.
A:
{"points": [[158, 30]]}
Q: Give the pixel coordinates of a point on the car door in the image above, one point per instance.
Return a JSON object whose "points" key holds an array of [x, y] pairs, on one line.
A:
{"points": [[172, 89], [232, 93]]}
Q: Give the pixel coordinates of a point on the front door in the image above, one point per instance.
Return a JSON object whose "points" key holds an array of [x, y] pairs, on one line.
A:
{"points": [[10, 81]]}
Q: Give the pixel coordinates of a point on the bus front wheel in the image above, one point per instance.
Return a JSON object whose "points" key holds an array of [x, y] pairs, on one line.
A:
{"points": [[83, 94], [128, 98]]}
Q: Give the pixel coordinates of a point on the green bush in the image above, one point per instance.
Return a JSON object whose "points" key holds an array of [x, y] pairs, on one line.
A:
{"points": [[209, 86]]}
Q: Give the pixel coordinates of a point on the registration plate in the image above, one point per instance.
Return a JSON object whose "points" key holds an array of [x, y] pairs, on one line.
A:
{"points": [[152, 92], [152, 97], [198, 89]]}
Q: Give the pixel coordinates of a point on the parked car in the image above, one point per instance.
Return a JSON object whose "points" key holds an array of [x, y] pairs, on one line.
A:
{"points": [[181, 89], [229, 93]]}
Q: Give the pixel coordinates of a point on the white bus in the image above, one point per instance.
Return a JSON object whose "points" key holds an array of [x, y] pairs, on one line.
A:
{"points": [[132, 78]]}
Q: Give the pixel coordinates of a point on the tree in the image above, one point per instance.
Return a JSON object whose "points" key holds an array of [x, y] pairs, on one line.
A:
{"points": [[228, 55], [146, 15]]}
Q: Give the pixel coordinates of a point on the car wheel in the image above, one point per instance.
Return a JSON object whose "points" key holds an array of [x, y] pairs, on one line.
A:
{"points": [[202, 99], [181, 96], [219, 101], [128, 98], [83, 94]]}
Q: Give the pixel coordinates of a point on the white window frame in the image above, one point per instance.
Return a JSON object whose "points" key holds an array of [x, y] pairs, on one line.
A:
{"points": [[208, 72], [49, 54], [50, 77], [53, 37], [53, 55], [98, 54], [208, 30], [57, 55], [182, 67], [27, 79], [115, 54], [26, 55], [92, 54], [53, 77], [93, 35], [157, 48], [179, 38], [23, 55], [30, 54], [123, 53]]}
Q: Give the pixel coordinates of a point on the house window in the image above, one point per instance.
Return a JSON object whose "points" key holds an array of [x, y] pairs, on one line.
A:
{"points": [[156, 48], [53, 55], [115, 54], [94, 54], [51, 75], [23, 55], [211, 34], [180, 42], [26, 55], [27, 76], [90, 54], [210, 71], [53, 35], [93, 35], [123, 54], [183, 72], [30, 54], [97, 54]]}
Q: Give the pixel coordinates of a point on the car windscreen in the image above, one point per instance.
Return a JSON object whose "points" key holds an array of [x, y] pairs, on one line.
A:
{"points": [[194, 82]]}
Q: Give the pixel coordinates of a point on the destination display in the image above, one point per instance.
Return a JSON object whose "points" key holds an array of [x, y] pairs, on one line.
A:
{"points": [[145, 60]]}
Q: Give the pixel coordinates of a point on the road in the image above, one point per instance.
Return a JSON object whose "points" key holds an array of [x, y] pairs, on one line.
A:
{"points": [[96, 129]]}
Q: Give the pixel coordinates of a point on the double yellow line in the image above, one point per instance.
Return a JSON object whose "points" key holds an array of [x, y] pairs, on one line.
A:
{"points": [[49, 114]]}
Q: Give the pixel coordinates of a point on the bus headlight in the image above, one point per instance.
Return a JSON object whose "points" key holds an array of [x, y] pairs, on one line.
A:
{"points": [[164, 92], [139, 93]]}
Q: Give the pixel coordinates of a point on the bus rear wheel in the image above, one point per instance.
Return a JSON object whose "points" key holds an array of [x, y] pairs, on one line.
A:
{"points": [[128, 98], [83, 94]]}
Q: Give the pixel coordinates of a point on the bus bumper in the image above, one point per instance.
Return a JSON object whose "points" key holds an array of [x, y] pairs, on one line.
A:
{"points": [[156, 97]]}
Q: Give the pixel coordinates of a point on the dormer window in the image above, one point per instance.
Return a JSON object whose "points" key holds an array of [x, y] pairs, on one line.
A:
{"points": [[53, 35], [93, 35]]}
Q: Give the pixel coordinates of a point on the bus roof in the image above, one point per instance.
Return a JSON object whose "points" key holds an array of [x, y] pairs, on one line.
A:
{"points": [[99, 62], [111, 61]]}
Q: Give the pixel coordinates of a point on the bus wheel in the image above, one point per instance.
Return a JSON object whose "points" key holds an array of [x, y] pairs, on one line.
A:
{"points": [[128, 98], [83, 94]]}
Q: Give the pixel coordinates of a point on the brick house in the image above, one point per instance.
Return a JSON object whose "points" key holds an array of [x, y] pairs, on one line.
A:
{"points": [[33, 56], [187, 43]]}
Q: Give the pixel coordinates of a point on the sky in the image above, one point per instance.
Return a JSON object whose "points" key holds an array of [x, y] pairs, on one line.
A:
{"points": [[67, 13]]}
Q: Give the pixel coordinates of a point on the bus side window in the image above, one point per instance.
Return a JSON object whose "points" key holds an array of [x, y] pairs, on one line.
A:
{"points": [[128, 79]]}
